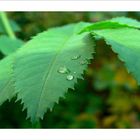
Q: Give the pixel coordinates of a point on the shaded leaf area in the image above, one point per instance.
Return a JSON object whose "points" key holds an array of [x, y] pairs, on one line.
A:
{"points": [[7, 90], [8, 45]]}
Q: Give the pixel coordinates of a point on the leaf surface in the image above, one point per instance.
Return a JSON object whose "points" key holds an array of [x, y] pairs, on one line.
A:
{"points": [[118, 22], [49, 64]]}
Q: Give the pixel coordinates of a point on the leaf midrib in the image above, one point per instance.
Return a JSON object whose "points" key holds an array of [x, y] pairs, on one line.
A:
{"points": [[47, 75]]}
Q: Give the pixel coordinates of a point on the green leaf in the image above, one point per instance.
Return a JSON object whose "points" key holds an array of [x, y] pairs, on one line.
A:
{"points": [[8, 45], [15, 27], [48, 65], [125, 42], [119, 22], [6, 83], [128, 21]]}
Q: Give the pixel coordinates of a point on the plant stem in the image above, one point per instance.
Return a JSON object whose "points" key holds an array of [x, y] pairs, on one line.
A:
{"points": [[7, 25], [36, 125]]}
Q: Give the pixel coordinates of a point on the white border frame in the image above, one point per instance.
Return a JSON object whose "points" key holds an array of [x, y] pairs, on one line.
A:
{"points": [[71, 134], [69, 5]]}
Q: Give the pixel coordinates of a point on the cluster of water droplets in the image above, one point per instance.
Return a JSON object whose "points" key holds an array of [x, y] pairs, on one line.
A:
{"points": [[64, 70], [83, 62]]}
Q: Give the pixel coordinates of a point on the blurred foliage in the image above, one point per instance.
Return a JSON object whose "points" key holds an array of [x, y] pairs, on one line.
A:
{"points": [[108, 97]]}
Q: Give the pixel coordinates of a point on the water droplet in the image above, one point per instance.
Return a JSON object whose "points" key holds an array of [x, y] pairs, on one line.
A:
{"points": [[75, 57], [83, 62], [70, 77], [62, 70]]}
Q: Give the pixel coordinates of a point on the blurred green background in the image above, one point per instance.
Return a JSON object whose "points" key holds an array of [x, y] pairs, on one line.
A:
{"points": [[109, 97]]}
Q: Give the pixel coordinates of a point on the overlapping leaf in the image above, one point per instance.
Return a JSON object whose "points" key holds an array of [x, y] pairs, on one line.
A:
{"points": [[48, 65], [127, 21], [118, 22], [125, 42]]}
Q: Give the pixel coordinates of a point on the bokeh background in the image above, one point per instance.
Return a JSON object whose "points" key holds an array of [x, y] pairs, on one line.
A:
{"points": [[109, 97]]}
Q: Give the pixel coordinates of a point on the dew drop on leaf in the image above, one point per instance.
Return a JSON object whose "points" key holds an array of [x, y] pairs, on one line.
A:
{"points": [[75, 57], [83, 62], [70, 77], [63, 70]]}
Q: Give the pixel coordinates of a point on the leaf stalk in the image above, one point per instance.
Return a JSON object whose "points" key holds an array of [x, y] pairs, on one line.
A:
{"points": [[6, 25]]}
